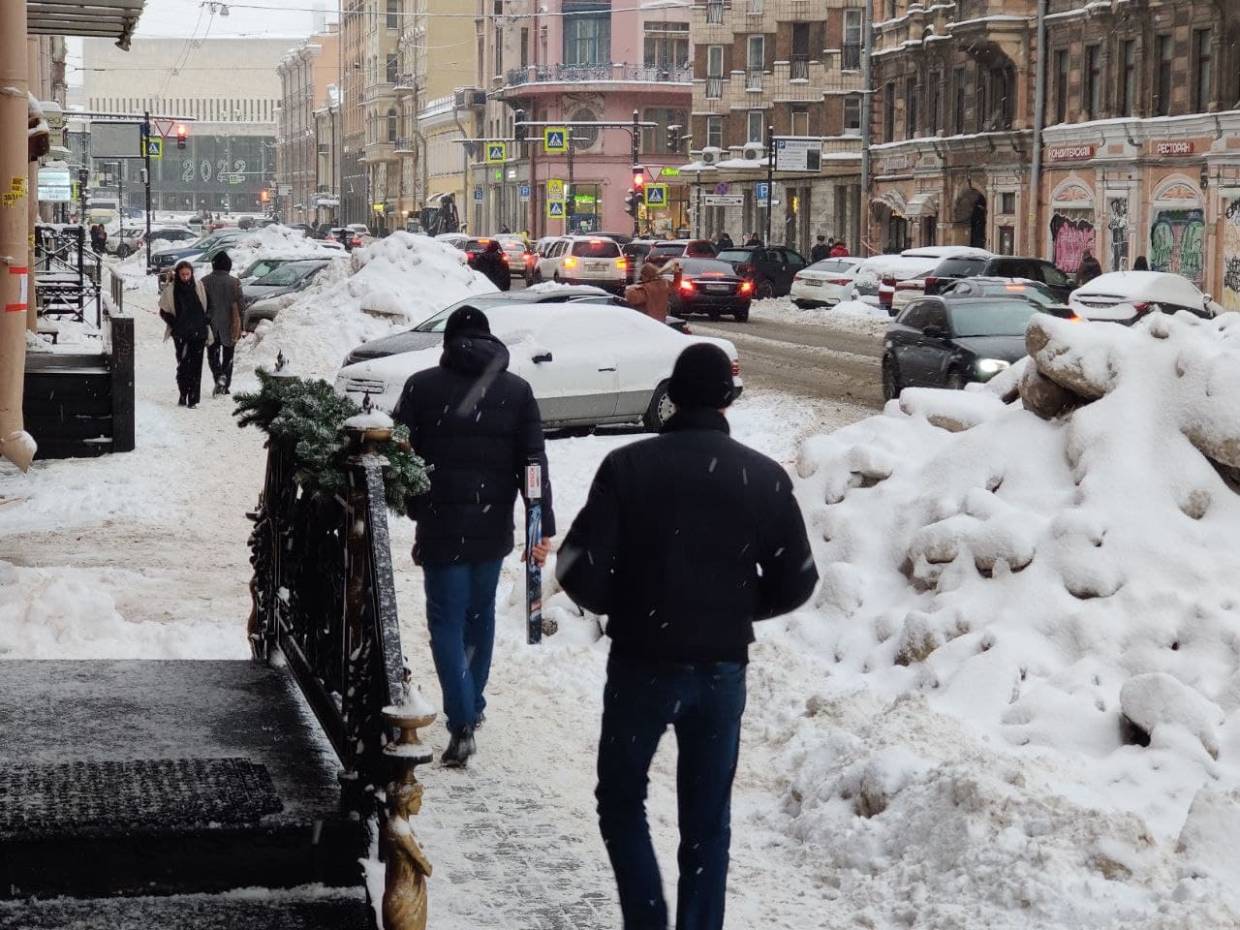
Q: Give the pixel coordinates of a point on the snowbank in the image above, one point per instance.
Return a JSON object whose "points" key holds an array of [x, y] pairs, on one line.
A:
{"points": [[1032, 629], [852, 315], [391, 283]]}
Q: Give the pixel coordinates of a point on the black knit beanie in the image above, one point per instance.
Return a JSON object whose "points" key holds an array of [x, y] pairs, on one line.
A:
{"points": [[466, 321], [221, 262], [702, 377]]}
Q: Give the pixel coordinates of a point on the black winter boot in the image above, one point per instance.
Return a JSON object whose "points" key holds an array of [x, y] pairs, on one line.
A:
{"points": [[460, 748]]}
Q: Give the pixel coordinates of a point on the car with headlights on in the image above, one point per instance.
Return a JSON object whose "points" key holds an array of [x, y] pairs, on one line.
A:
{"points": [[707, 286], [588, 364], [947, 342]]}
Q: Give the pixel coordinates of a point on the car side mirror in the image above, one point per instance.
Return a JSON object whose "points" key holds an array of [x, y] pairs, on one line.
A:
{"points": [[542, 357]]}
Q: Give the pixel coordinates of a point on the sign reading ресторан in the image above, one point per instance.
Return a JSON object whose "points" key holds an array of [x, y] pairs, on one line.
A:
{"points": [[1174, 148], [1070, 152]]}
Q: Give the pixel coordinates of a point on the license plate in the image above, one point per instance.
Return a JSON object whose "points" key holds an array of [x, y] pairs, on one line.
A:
{"points": [[811, 282], [718, 288], [598, 266]]}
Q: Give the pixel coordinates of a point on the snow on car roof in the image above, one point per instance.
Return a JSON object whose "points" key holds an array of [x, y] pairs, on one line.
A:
{"points": [[947, 251], [897, 266], [1143, 285]]}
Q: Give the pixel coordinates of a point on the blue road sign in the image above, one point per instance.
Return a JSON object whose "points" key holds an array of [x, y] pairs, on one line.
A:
{"points": [[478, 194], [762, 191], [524, 191]]}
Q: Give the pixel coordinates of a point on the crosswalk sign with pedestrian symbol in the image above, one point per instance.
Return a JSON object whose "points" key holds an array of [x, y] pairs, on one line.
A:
{"points": [[555, 209], [155, 147], [656, 195], [496, 152], [555, 140]]}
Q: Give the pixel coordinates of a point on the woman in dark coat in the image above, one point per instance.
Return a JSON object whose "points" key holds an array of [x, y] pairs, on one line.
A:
{"points": [[183, 306]]}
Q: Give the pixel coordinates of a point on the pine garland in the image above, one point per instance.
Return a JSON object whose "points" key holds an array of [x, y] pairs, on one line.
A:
{"points": [[308, 416]]}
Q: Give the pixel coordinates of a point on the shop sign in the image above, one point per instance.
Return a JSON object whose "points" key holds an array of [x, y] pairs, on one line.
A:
{"points": [[1070, 153], [1174, 148]]}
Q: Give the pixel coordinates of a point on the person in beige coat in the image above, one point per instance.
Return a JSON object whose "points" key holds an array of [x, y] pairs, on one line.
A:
{"points": [[652, 294], [183, 306]]}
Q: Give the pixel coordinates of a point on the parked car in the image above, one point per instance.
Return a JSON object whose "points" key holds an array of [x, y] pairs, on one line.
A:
{"points": [[876, 279], [711, 287], [288, 278], [584, 260], [1035, 292], [134, 238], [261, 266], [353, 236], [167, 259], [1127, 296], [947, 342], [457, 240], [663, 251], [824, 283], [588, 364], [907, 289], [770, 268], [1000, 266], [520, 256]]}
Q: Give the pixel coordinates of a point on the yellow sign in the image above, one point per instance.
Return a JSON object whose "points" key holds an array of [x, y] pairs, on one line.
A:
{"points": [[555, 140], [555, 189], [555, 209], [496, 152]]}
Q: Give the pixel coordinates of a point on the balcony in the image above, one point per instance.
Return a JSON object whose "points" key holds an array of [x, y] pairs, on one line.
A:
{"points": [[406, 146], [380, 151], [799, 69], [714, 13], [850, 57], [379, 91], [755, 7], [405, 85], [714, 88], [519, 81], [753, 80]]}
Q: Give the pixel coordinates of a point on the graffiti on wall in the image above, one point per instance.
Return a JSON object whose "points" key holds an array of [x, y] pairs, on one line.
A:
{"points": [[1177, 243], [1117, 223], [1071, 239], [1231, 256]]}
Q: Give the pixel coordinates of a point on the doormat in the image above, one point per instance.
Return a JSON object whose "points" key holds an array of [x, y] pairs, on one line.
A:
{"points": [[138, 796]]}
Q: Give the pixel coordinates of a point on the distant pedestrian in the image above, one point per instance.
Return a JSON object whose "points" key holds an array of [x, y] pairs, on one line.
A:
{"points": [[821, 249], [98, 238], [183, 306], [1088, 269], [723, 241], [839, 250], [1141, 264], [504, 230], [685, 540], [224, 316], [476, 425], [490, 262], [754, 239], [652, 295]]}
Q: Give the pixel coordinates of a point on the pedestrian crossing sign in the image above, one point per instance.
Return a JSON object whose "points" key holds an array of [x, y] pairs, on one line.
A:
{"points": [[154, 147], [555, 140], [555, 209], [497, 152], [656, 195]]}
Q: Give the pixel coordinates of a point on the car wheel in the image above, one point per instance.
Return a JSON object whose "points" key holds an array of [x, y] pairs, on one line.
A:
{"points": [[742, 316], [766, 289], [660, 410], [891, 378], [955, 380]]}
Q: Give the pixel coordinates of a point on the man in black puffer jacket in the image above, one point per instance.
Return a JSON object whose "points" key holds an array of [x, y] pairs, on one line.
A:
{"points": [[685, 540], [477, 426]]}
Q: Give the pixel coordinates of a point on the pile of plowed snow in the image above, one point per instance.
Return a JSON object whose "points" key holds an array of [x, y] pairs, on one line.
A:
{"points": [[1029, 638]]}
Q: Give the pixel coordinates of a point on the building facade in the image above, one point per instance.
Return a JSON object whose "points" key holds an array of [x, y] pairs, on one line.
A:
{"points": [[307, 76], [788, 66], [229, 88], [584, 61]]}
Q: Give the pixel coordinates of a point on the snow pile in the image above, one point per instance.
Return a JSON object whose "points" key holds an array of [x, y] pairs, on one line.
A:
{"points": [[274, 242], [852, 315], [391, 283], [1030, 615]]}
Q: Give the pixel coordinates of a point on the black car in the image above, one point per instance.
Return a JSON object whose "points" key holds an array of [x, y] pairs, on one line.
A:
{"points": [[168, 259], [1033, 291], [947, 342], [663, 251], [1001, 266], [710, 287], [771, 269]]}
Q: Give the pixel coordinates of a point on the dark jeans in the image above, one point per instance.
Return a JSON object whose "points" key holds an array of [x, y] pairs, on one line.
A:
{"points": [[460, 608], [189, 368], [704, 703], [220, 358]]}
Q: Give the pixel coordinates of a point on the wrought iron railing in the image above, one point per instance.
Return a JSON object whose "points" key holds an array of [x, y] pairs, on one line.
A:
{"points": [[753, 79], [714, 88], [714, 13], [851, 57], [67, 274], [606, 71], [799, 69]]}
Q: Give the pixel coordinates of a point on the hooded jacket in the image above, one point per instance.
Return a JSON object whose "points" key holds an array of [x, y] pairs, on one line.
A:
{"points": [[685, 540], [476, 425]]}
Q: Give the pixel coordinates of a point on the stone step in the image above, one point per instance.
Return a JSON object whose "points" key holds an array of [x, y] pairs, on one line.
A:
{"points": [[162, 778], [298, 909]]}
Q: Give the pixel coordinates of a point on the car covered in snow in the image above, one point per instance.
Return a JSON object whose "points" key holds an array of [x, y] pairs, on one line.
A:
{"points": [[947, 342], [824, 283], [1127, 296], [589, 364], [896, 292]]}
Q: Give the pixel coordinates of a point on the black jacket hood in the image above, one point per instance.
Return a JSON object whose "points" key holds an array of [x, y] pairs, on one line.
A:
{"points": [[475, 354]]}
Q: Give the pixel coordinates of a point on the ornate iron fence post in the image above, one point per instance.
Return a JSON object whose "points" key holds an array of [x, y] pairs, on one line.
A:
{"points": [[406, 867]]}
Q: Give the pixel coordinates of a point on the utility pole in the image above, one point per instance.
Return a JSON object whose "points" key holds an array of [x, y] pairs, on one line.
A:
{"points": [[1033, 209], [146, 178], [635, 152], [770, 180], [570, 196], [120, 197], [867, 106]]}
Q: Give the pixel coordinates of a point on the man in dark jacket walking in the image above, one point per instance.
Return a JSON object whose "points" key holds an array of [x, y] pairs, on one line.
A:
{"points": [[224, 317], [821, 249], [477, 426], [685, 540], [490, 262], [1089, 269]]}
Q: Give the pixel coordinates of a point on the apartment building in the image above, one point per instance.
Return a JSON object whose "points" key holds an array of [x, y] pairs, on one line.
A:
{"points": [[307, 77], [794, 67], [589, 62]]}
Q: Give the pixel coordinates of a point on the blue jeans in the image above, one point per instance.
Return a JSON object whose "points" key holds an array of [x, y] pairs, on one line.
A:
{"points": [[704, 702], [460, 608]]}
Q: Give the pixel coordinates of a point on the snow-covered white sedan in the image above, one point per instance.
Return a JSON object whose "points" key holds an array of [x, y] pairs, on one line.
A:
{"points": [[824, 283], [589, 364], [1127, 296]]}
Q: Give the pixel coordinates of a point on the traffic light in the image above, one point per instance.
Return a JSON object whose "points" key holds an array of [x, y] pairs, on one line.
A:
{"points": [[673, 138], [631, 200], [264, 195], [639, 178], [519, 129], [182, 135]]}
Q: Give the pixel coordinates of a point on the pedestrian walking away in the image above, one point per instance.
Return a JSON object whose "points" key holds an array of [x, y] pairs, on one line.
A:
{"points": [[183, 306], [685, 541], [753, 239], [652, 295], [724, 241], [1141, 264], [821, 249], [224, 317], [839, 250], [1089, 268], [476, 425], [490, 262], [98, 238]]}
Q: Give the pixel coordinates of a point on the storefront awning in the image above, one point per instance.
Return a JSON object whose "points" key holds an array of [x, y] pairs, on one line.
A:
{"points": [[924, 204], [108, 19]]}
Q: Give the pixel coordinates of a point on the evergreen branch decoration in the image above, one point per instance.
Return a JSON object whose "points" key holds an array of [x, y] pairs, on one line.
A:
{"points": [[308, 416]]}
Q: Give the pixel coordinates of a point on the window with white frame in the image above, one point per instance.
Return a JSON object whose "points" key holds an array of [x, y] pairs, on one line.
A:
{"points": [[714, 132], [665, 45], [852, 115], [755, 53], [756, 127]]}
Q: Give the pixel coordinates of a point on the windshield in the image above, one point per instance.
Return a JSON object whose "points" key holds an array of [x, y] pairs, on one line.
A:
{"points": [[959, 267], [991, 317], [735, 255], [667, 248], [261, 267], [596, 248], [437, 323], [705, 266], [287, 274], [1036, 293]]}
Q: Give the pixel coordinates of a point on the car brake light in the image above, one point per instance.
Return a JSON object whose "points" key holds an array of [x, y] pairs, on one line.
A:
{"points": [[932, 285], [797, 279], [570, 262], [839, 281], [1143, 306], [746, 287], [686, 287], [889, 281], [736, 368]]}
